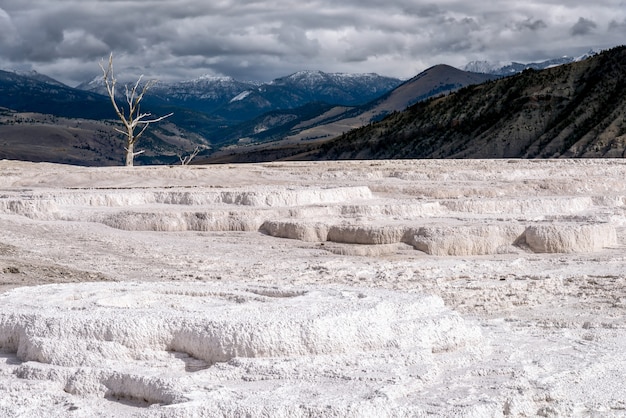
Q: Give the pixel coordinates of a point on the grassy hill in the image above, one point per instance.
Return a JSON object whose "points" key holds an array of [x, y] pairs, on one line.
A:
{"points": [[39, 137]]}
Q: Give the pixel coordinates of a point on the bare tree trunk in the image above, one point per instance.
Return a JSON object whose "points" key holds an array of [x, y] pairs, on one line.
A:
{"points": [[130, 154]]}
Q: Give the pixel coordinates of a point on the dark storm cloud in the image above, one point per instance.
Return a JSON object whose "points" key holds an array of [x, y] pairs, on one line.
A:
{"points": [[262, 40], [618, 26], [531, 24], [583, 27]]}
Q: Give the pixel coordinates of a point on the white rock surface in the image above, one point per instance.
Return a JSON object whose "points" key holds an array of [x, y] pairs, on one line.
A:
{"points": [[143, 341], [559, 238], [370, 288]]}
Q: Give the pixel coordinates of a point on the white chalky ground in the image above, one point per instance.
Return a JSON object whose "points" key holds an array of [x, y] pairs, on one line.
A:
{"points": [[372, 288]]}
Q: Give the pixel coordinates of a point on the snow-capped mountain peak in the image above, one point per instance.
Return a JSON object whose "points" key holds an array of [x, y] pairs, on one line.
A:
{"points": [[34, 75], [588, 54], [510, 68], [231, 98], [213, 78], [485, 67]]}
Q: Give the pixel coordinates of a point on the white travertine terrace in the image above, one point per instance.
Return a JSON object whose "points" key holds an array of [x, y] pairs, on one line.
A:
{"points": [[351, 288]]}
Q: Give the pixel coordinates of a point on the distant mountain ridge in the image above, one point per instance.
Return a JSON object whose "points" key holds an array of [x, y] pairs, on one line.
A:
{"points": [[236, 101], [512, 68], [36, 92], [437, 80], [332, 121], [576, 110], [204, 94], [34, 75]]}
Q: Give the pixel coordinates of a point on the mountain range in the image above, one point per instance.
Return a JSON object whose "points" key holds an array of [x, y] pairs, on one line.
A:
{"points": [[210, 111], [235, 120], [272, 130], [512, 68], [577, 110], [232, 101]]}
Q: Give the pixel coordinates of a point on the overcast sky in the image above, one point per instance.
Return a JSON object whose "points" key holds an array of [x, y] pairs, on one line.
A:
{"points": [[263, 40]]}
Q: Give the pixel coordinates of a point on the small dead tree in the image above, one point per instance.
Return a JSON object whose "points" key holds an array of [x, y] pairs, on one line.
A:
{"points": [[187, 159], [134, 118]]}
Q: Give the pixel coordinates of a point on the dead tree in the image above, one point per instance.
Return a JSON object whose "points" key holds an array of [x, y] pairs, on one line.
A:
{"points": [[134, 118], [186, 160]]}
